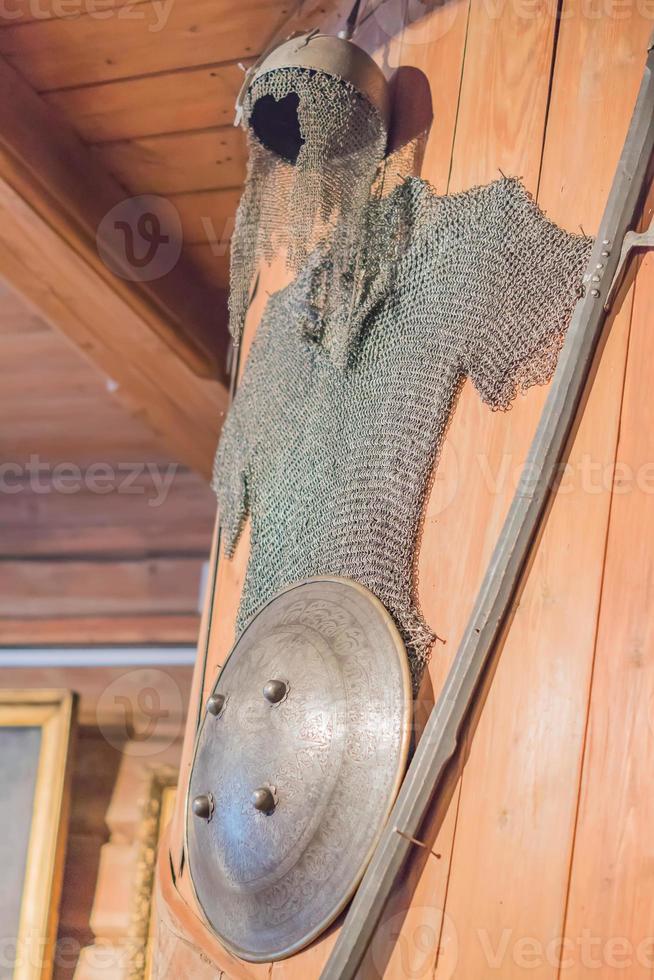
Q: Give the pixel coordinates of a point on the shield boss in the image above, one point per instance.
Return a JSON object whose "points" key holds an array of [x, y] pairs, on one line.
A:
{"points": [[297, 763]]}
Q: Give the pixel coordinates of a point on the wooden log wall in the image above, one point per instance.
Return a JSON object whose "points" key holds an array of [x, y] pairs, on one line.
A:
{"points": [[103, 537], [542, 865]]}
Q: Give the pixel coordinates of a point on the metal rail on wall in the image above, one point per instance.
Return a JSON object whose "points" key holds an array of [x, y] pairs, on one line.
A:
{"points": [[450, 718]]}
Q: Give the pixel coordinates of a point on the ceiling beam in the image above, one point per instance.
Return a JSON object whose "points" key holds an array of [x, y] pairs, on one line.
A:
{"points": [[153, 339]]}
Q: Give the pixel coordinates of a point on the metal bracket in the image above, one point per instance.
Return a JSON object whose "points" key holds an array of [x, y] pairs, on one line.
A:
{"points": [[632, 240]]}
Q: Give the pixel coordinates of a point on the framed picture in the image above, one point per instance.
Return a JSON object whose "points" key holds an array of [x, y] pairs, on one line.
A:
{"points": [[36, 730]]}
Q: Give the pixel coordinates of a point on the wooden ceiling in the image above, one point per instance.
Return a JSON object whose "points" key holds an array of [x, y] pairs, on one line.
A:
{"points": [[150, 86], [56, 405], [106, 100], [130, 87]]}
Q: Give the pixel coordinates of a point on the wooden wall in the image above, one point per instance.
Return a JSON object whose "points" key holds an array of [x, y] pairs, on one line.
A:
{"points": [[543, 865], [103, 536]]}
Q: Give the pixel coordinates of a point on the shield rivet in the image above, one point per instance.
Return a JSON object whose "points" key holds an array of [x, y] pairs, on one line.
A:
{"points": [[263, 800], [203, 806], [274, 691], [215, 704]]}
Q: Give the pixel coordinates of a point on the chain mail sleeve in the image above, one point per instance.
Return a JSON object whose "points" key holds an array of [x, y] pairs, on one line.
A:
{"points": [[527, 274]]}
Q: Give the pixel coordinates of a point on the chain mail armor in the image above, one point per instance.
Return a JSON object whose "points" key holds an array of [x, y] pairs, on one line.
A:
{"points": [[296, 206], [354, 371]]}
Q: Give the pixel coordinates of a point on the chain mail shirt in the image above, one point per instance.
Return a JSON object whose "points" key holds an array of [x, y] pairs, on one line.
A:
{"points": [[351, 379]]}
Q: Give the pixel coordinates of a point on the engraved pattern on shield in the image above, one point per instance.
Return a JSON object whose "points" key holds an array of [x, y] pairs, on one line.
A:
{"points": [[330, 752]]}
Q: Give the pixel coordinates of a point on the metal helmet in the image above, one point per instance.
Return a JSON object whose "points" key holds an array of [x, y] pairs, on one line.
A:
{"points": [[274, 122]]}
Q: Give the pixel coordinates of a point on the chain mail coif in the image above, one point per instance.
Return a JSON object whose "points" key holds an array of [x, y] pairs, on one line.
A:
{"points": [[296, 206], [330, 446]]}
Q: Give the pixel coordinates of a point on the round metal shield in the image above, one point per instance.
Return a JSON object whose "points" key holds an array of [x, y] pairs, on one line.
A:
{"points": [[297, 763]]}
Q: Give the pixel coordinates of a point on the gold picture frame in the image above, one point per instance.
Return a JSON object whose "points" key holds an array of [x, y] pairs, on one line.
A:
{"points": [[49, 718], [157, 813]]}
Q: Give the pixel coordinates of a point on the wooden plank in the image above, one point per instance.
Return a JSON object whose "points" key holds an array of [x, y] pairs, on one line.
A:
{"points": [[519, 794], [57, 435], [92, 630], [128, 510], [56, 407], [82, 857], [95, 767], [205, 160], [111, 916], [61, 53], [96, 588], [610, 918], [212, 260], [38, 364], [82, 430], [94, 962], [16, 319], [432, 50], [195, 98], [107, 713], [27, 11], [207, 217]]}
